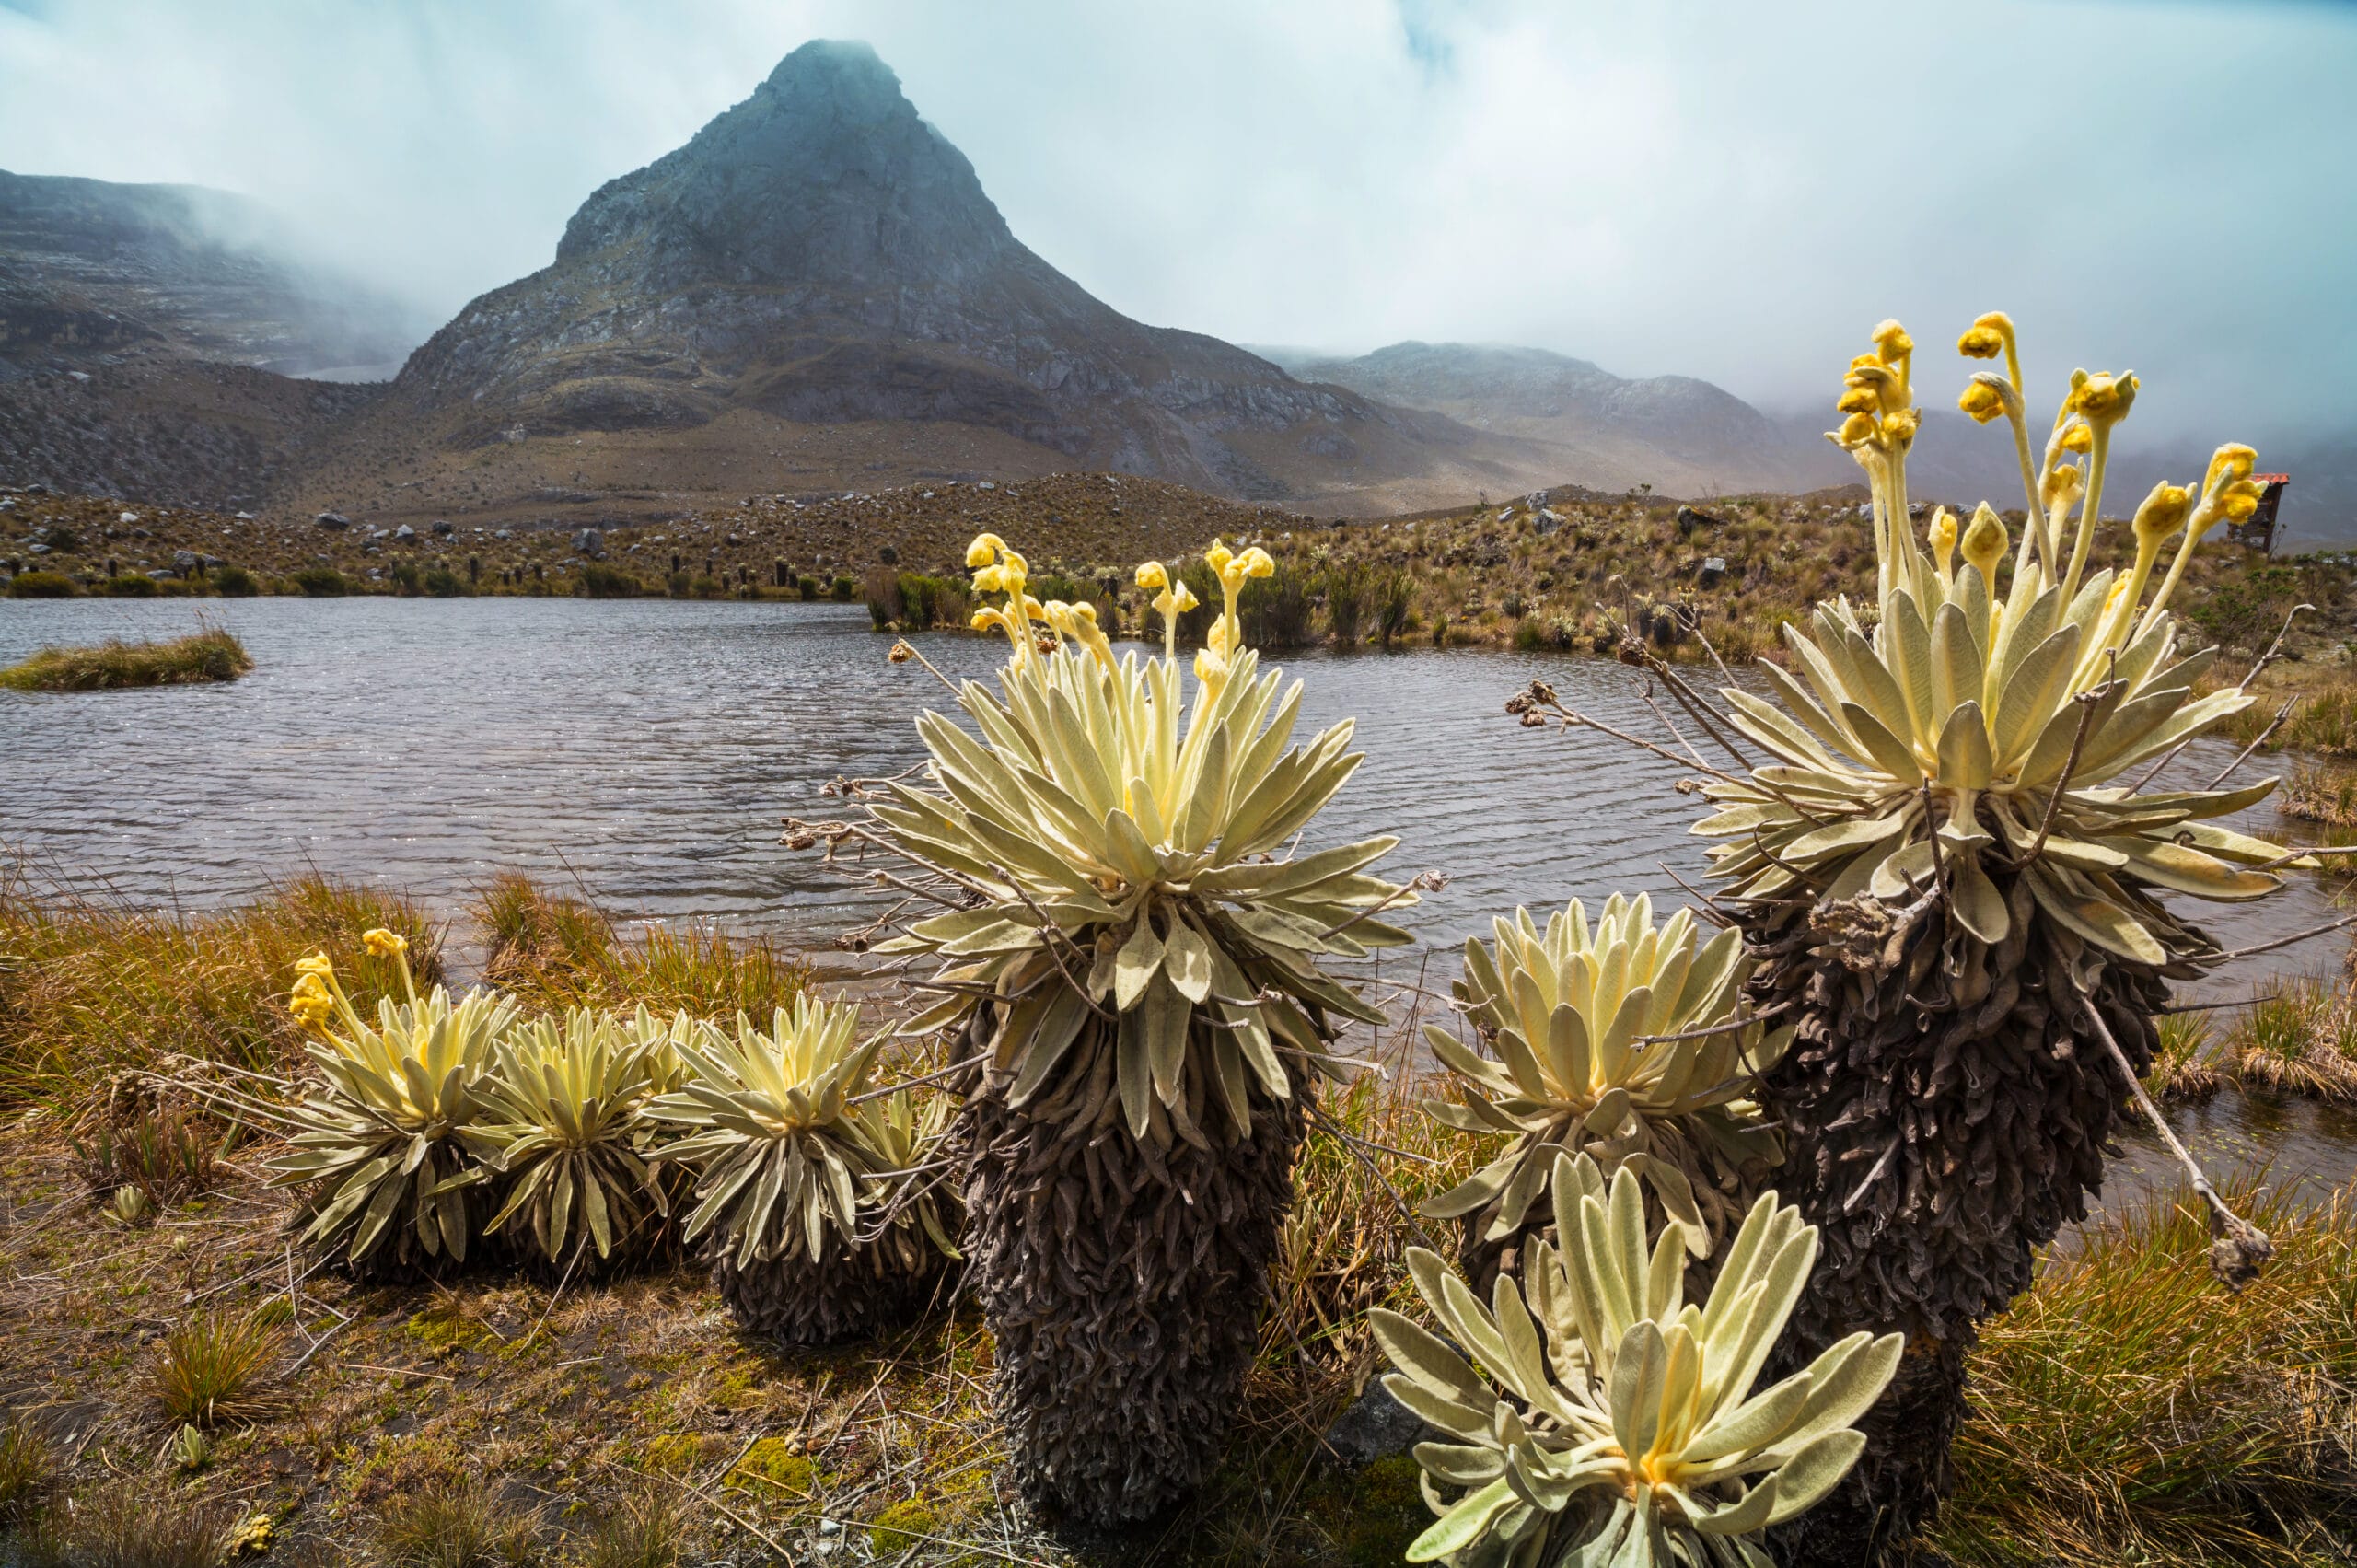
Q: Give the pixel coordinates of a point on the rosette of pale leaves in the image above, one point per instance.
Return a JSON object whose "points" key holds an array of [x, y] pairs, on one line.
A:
{"points": [[1604, 1044], [562, 1099], [781, 1155], [399, 1132], [1964, 735], [1120, 847], [1603, 1420]]}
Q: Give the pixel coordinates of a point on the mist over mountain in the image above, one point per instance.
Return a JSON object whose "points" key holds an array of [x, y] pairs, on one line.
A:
{"points": [[819, 276]]}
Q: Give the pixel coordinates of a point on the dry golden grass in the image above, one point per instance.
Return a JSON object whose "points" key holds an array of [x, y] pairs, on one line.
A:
{"points": [[211, 655]]}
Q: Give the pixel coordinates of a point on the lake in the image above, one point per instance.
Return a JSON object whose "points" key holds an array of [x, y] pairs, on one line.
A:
{"points": [[644, 750]]}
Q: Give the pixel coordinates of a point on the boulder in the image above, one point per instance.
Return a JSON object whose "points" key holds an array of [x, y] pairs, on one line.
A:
{"points": [[336, 522], [442, 528], [1547, 521], [1376, 1428], [1714, 570], [405, 533], [184, 561], [590, 542]]}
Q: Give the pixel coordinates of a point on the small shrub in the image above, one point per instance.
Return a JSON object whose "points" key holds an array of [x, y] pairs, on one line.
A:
{"points": [[810, 587], [320, 582], [1346, 596], [596, 582], [846, 591], [457, 1524], [235, 581], [1275, 609], [404, 579], [679, 585], [130, 585], [205, 1375], [41, 584]]}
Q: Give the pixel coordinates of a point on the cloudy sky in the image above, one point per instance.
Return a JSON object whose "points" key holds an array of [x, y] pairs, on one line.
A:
{"points": [[1735, 190]]}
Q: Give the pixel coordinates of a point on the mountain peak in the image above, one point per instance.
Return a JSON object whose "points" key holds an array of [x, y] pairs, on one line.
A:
{"points": [[825, 175]]}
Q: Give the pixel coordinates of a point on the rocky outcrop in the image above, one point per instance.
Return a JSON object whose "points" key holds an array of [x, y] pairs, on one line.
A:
{"points": [[822, 254]]}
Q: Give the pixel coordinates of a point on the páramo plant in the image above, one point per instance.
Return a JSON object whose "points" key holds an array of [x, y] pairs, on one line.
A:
{"points": [[1137, 974], [1622, 1040], [1952, 871], [561, 1101], [807, 1194], [1627, 1433], [391, 1148]]}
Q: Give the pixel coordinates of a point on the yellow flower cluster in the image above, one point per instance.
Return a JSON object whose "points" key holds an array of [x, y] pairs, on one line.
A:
{"points": [[318, 996], [1171, 600], [1226, 636], [998, 569]]}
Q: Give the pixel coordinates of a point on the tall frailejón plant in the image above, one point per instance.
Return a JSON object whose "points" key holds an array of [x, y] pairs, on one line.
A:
{"points": [[1621, 1040], [1612, 1422], [1950, 871], [1137, 964]]}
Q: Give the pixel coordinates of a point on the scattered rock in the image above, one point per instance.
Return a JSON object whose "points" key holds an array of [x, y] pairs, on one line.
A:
{"points": [[590, 542], [1714, 569], [442, 528], [128, 517], [333, 521], [1689, 520], [184, 561], [1377, 1427], [405, 533], [1547, 521]]}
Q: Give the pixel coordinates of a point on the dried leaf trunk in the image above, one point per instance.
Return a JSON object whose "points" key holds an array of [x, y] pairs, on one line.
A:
{"points": [[1944, 1117], [842, 1295], [1124, 1282]]}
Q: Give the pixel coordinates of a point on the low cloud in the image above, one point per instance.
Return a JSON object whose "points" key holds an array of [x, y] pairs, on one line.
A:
{"points": [[1730, 191]]}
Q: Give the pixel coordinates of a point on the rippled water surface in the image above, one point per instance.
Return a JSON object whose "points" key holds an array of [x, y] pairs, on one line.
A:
{"points": [[648, 747]]}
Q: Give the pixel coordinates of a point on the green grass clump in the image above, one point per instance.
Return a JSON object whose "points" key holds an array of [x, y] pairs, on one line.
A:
{"points": [[91, 987], [41, 584], [126, 1526], [206, 655], [2129, 1410], [320, 582], [2299, 1039], [553, 952]]}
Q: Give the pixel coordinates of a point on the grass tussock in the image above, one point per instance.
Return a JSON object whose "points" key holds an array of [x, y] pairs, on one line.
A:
{"points": [[127, 1524], [93, 986], [2301, 1038], [457, 1523], [2184, 1069], [2128, 1409], [211, 655], [209, 1370], [552, 951], [28, 1471]]}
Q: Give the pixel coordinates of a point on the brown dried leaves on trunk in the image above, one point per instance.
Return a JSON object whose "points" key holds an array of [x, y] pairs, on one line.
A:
{"points": [[1124, 1284]]}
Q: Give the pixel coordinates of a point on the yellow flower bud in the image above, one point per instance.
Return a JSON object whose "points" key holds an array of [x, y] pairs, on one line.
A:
{"points": [[2103, 398], [990, 580], [2163, 513], [1856, 431], [2242, 498], [2233, 460], [984, 549], [1258, 563], [2078, 439], [1857, 400], [315, 964], [1982, 401], [384, 944], [1182, 598], [1152, 574], [1943, 533], [1985, 541], [1980, 342], [1899, 428], [1892, 343], [1217, 557]]}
